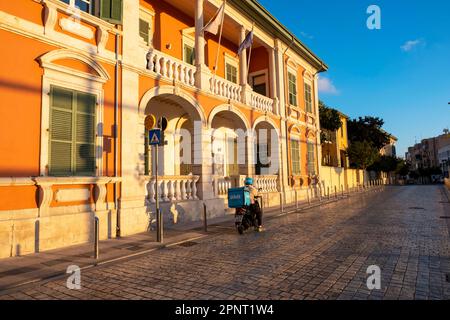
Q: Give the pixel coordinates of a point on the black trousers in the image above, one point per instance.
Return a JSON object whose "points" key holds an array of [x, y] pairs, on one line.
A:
{"points": [[256, 209]]}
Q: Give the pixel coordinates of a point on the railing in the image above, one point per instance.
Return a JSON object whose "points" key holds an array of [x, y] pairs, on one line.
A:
{"points": [[221, 185], [173, 188], [225, 88], [170, 67], [261, 102], [267, 183]]}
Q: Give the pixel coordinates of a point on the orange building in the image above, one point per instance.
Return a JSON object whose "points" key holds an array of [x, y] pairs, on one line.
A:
{"points": [[79, 77]]}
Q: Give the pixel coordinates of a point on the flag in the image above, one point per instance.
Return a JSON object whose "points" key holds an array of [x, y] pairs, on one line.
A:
{"points": [[247, 43], [216, 21]]}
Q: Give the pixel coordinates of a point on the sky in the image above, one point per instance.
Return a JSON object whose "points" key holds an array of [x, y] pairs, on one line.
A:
{"points": [[400, 73]]}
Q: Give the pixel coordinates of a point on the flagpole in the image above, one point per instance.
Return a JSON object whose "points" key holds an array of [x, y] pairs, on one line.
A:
{"points": [[220, 40], [250, 55]]}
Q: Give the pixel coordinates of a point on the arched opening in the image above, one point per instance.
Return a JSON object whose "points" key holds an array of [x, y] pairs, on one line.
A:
{"points": [[176, 157], [266, 149], [229, 144]]}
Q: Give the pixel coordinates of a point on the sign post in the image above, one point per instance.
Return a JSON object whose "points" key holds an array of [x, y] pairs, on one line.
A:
{"points": [[155, 140]]}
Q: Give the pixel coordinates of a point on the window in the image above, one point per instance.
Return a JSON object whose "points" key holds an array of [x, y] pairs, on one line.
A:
{"points": [[295, 156], [189, 54], [145, 26], [259, 84], [231, 68], [72, 133], [231, 73], [311, 158], [263, 157], [83, 5], [308, 98], [108, 10], [292, 89]]}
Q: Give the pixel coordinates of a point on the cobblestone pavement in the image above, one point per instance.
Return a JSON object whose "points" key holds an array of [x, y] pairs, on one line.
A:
{"points": [[322, 253]]}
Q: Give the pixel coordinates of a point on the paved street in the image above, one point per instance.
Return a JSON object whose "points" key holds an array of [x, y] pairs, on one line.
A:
{"points": [[322, 253]]}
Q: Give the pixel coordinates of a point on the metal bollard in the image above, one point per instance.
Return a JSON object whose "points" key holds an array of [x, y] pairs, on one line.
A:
{"points": [[328, 193], [159, 234], [342, 187], [296, 200], [281, 203], [96, 236], [335, 192], [320, 194], [205, 217]]}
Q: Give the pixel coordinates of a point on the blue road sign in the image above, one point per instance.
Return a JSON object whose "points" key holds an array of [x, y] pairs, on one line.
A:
{"points": [[154, 137]]}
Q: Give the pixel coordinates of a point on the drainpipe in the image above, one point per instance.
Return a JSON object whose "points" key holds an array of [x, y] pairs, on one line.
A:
{"points": [[116, 134]]}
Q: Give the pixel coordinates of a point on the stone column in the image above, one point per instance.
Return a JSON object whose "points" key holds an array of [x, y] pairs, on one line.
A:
{"points": [[202, 74], [246, 89], [132, 209], [243, 60], [248, 169], [203, 161], [273, 80], [280, 85]]}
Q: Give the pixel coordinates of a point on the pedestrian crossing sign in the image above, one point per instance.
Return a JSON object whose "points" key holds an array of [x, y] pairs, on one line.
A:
{"points": [[154, 137]]}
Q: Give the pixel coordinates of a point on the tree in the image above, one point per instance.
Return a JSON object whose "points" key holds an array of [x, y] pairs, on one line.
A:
{"points": [[368, 129], [402, 168], [362, 154], [330, 121], [385, 164]]}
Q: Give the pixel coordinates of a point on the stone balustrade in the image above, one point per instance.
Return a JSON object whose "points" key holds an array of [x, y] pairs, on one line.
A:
{"points": [[221, 185], [225, 89], [262, 103], [171, 68], [173, 188]]}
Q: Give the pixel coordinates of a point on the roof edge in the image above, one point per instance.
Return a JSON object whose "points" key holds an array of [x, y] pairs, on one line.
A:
{"points": [[267, 21]]}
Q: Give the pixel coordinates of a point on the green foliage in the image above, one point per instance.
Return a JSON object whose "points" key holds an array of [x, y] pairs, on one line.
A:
{"points": [[329, 118], [368, 129], [385, 164], [362, 154], [402, 168], [427, 172]]}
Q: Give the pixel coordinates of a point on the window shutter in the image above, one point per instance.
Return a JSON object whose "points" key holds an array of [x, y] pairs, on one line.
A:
{"points": [[111, 11], [85, 135], [61, 132], [144, 27]]}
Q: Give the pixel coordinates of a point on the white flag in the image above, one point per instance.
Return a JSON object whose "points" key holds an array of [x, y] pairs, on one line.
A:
{"points": [[214, 24]]}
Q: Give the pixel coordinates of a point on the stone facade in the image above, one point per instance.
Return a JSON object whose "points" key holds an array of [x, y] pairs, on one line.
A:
{"points": [[134, 65]]}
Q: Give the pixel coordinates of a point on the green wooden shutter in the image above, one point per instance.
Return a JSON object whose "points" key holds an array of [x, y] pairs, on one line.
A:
{"points": [[308, 98], [144, 27], [61, 132], [84, 143], [111, 11], [311, 161]]}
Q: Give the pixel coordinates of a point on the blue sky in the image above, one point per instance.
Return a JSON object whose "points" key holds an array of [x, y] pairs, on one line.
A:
{"points": [[400, 73]]}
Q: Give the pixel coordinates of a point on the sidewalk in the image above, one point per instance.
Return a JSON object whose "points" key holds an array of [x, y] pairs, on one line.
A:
{"points": [[18, 271]]}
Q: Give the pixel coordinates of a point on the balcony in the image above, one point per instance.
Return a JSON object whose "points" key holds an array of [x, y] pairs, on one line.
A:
{"points": [[170, 68], [175, 70]]}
